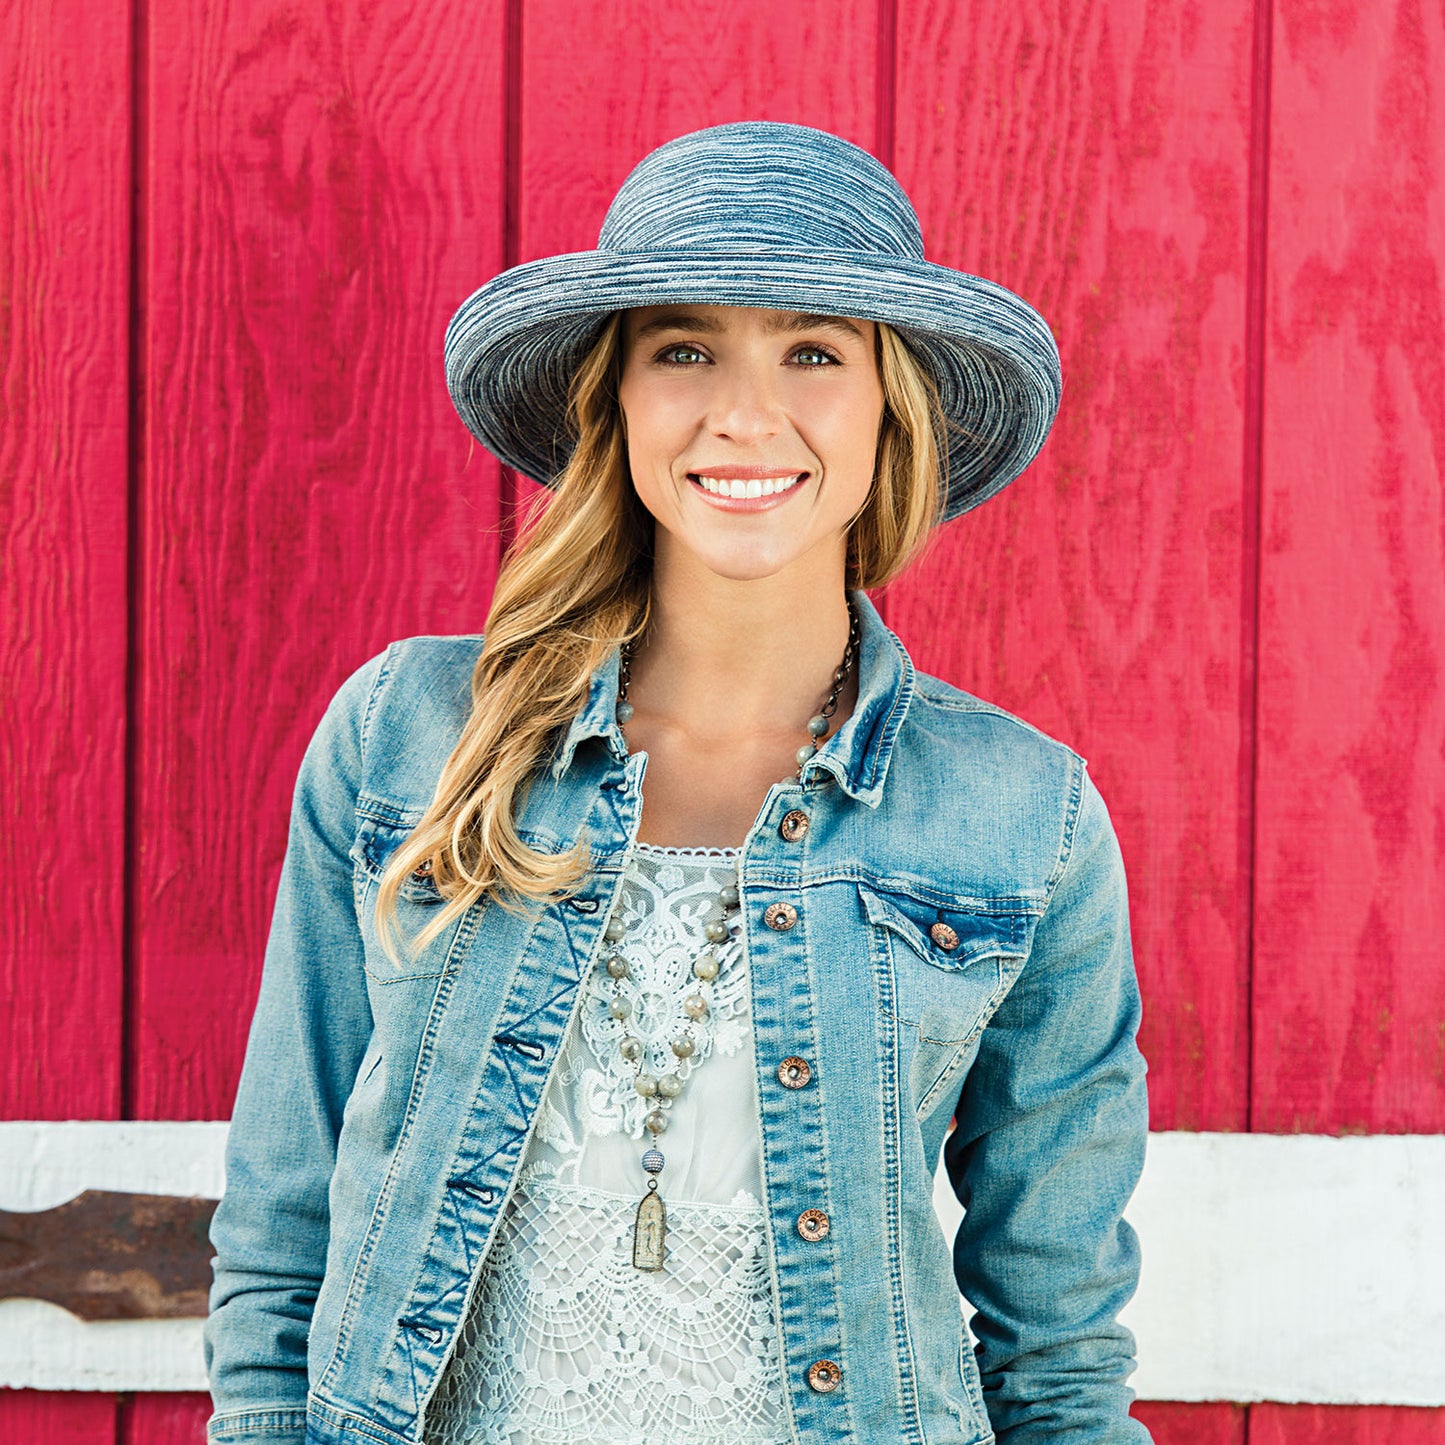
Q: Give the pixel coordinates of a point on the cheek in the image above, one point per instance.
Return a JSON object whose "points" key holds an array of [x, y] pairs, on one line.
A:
{"points": [[843, 428], [656, 425]]}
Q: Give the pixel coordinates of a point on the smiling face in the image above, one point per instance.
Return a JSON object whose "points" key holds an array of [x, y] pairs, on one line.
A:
{"points": [[751, 434]]}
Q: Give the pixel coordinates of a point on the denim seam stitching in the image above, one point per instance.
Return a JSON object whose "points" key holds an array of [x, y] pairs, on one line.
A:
{"points": [[466, 931], [977, 707], [825, 1163], [960, 1046], [267, 1421], [349, 1420], [362, 869], [383, 673], [1071, 822], [893, 1208], [379, 809], [893, 723], [907, 929], [1003, 906]]}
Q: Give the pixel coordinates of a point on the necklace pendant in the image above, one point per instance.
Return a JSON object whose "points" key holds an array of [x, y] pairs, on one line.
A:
{"points": [[649, 1233]]}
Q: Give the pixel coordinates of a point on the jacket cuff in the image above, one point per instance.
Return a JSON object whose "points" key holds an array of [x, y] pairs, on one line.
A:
{"points": [[265, 1427]]}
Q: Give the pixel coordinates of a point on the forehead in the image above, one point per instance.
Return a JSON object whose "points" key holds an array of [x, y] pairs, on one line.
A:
{"points": [[642, 322]]}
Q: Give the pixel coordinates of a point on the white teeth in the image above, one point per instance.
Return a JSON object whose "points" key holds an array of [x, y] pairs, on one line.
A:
{"points": [[755, 487]]}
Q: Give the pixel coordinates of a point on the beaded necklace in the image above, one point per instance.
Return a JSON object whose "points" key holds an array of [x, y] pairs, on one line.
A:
{"points": [[649, 1232]]}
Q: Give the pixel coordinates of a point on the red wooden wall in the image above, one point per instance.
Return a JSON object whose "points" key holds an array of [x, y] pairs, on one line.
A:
{"points": [[231, 236]]}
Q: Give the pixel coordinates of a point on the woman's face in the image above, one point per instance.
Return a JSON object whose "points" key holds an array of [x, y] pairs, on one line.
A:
{"points": [[781, 407]]}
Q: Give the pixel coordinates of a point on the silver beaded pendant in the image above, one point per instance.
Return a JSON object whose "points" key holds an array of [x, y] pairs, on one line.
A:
{"points": [[649, 1230]]}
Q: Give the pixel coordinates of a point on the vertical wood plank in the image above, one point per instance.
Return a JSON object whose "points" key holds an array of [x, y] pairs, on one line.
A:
{"points": [[64, 336], [1096, 160], [165, 1419], [1172, 1424], [1350, 972], [603, 85], [323, 188], [53, 1417], [1345, 1425]]}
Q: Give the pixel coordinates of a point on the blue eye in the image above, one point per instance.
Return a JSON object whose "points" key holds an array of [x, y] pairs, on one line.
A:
{"points": [[669, 354]]}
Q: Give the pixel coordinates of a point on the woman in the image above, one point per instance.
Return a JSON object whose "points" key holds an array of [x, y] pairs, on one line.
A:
{"points": [[578, 1111]]}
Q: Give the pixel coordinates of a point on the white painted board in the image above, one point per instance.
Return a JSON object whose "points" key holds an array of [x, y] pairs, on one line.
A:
{"points": [[1289, 1268]]}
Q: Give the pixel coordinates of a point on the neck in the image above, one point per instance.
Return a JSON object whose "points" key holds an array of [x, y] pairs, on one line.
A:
{"points": [[722, 657]]}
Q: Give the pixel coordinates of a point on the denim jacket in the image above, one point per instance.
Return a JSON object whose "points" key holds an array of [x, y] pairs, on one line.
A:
{"points": [[955, 944]]}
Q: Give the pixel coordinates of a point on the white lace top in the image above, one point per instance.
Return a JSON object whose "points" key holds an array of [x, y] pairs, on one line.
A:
{"points": [[566, 1343]]}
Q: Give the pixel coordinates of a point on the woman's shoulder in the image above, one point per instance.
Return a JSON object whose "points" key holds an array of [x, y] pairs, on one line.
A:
{"points": [[409, 704], [977, 722], [428, 658], [426, 679], [1040, 797]]}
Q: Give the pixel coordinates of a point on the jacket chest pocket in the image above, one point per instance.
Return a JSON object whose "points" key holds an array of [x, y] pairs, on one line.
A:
{"points": [[417, 901], [946, 970]]}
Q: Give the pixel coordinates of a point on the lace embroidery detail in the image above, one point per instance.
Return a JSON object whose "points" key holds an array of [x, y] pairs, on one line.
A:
{"points": [[665, 905], [666, 850], [567, 1344]]}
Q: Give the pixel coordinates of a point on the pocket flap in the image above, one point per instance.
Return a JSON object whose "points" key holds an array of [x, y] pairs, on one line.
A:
{"points": [[980, 934], [376, 840]]}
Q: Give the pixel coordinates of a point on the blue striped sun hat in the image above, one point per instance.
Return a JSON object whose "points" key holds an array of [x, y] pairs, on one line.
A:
{"points": [[769, 215]]}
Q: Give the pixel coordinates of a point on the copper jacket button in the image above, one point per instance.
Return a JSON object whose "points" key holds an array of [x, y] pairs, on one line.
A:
{"points": [[944, 936], [813, 1224], [781, 916], [824, 1376], [794, 825], [794, 1072]]}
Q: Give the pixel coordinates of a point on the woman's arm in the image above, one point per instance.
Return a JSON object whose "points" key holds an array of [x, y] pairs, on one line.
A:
{"points": [[1049, 1144], [311, 1026]]}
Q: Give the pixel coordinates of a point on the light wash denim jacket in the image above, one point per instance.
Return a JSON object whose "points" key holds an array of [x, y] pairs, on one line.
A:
{"points": [[383, 1110]]}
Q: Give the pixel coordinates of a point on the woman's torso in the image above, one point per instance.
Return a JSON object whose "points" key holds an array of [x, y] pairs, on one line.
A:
{"points": [[888, 904]]}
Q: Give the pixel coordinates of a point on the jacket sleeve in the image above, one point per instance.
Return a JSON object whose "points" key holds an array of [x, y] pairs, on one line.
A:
{"points": [[309, 1031], [1048, 1146]]}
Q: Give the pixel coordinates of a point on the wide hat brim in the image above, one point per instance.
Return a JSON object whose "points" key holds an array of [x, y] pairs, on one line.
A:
{"points": [[513, 346]]}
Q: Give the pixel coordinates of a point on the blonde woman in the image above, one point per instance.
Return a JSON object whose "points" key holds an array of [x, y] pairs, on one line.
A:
{"points": [[635, 962]]}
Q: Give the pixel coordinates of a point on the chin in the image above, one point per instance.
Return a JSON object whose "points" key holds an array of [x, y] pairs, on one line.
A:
{"points": [[751, 567]]}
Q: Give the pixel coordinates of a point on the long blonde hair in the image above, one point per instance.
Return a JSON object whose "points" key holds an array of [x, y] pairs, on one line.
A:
{"points": [[576, 584]]}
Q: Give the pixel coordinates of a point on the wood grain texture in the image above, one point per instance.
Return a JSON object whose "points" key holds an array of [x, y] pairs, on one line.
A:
{"points": [[164, 1419], [1350, 969], [1344, 1425], [1095, 160], [323, 189], [603, 85], [53, 1417], [1171, 1424], [64, 308]]}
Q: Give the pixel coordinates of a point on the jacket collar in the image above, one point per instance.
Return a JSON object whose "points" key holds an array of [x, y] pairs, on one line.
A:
{"points": [[856, 755]]}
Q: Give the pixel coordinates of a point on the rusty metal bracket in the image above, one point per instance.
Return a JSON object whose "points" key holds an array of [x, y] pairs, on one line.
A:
{"points": [[105, 1255]]}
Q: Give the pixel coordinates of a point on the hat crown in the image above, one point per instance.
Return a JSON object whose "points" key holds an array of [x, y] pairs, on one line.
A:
{"points": [[762, 185]]}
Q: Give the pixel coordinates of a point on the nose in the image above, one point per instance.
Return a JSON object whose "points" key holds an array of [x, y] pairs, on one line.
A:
{"points": [[745, 405]]}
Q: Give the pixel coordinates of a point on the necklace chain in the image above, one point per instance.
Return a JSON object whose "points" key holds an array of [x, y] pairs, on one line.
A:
{"points": [[817, 724]]}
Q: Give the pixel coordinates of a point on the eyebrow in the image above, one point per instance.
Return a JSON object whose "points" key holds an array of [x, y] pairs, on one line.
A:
{"points": [[782, 322]]}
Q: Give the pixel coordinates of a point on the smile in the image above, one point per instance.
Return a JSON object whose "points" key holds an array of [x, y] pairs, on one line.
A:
{"points": [[751, 487]]}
